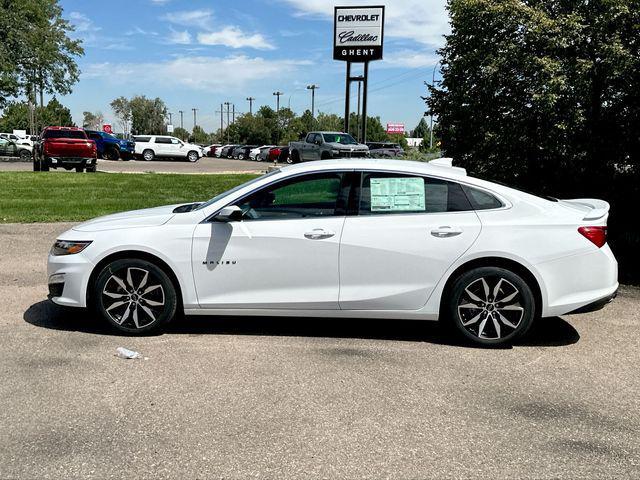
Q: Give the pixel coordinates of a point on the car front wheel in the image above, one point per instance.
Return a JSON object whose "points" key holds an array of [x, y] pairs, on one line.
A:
{"points": [[192, 156], [135, 296], [491, 306]]}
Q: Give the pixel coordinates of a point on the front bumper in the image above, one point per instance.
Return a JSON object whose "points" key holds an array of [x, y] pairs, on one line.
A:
{"points": [[68, 277], [349, 154]]}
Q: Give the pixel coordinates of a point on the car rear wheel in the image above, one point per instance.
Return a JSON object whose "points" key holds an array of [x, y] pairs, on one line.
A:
{"points": [[148, 155], [134, 296], [25, 155], [294, 157], [192, 156], [111, 154], [491, 306]]}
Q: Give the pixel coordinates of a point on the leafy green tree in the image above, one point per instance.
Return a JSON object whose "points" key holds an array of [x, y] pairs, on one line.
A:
{"points": [[92, 120], [56, 114], [36, 54], [329, 122], [148, 115], [200, 136], [544, 94], [180, 133], [421, 130], [121, 107], [16, 116]]}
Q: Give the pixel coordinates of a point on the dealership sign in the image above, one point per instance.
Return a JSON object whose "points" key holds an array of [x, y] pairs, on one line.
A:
{"points": [[358, 33], [107, 128], [395, 128]]}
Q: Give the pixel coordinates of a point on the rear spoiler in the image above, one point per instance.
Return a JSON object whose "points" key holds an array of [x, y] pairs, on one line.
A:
{"points": [[593, 208], [447, 162]]}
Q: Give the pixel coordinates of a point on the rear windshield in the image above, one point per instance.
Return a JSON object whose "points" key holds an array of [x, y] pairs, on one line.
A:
{"points": [[65, 134]]}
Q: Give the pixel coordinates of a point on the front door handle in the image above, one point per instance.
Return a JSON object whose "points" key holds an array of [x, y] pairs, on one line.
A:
{"points": [[446, 231], [319, 234]]}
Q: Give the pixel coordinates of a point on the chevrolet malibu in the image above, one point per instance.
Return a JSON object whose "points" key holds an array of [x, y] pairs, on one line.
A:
{"points": [[346, 238]]}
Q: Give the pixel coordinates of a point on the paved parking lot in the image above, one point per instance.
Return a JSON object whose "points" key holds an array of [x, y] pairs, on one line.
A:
{"points": [[204, 165], [307, 398]]}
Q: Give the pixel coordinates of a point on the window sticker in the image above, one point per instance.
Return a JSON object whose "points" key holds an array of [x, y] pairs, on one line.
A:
{"points": [[397, 194]]}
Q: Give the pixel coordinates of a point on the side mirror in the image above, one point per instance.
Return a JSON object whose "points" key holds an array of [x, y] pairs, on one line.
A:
{"points": [[229, 214]]}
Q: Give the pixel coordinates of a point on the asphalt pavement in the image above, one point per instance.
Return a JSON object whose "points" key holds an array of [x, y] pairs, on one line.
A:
{"points": [[307, 398]]}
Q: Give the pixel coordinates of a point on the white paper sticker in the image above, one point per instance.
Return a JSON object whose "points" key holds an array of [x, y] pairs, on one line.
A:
{"points": [[397, 194]]}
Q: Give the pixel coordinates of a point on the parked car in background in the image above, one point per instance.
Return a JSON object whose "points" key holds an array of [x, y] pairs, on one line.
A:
{"points": [[17, 139], [284, 156], [65, 147], [110, 147], [227, 151], [235, 151], [262, 153], [385, 149], [326, 145], [275, 153], [150, 147], [220, 149], [210, 150], [416, 240], [9, 148], [242, 153]]}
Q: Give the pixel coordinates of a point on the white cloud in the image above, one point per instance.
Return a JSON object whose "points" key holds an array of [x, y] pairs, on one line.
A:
{"points": [[178, 38], [82, 22], [424, 21], [202, 18], [235, 38], [210, 74], [409, 59], [160, 2]]}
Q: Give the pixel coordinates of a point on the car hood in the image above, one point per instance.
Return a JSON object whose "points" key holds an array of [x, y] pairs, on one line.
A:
{"points": [[340, 146], [148, 217]]}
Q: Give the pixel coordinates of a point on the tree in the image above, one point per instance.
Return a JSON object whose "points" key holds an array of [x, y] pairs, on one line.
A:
{"points": [[544, 94], [122, 110], [16, 116], [148, 116], [180, 133], [56, 114], [329, 122], [92, 121], [200, 136], [421, 130], [36, 54]]}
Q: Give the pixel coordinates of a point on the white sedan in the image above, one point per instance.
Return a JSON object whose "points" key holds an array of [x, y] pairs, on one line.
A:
{"points": [[346, 238]]}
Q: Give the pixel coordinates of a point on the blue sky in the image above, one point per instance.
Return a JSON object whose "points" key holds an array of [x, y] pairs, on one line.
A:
{"points": [[199, 53]]}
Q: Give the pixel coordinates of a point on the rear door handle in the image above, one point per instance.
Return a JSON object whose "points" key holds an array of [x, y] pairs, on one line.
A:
{"points": [[319, 234], [446, 231]]}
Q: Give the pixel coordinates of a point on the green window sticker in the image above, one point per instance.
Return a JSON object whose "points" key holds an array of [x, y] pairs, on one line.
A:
{"points": [[401, 194]]}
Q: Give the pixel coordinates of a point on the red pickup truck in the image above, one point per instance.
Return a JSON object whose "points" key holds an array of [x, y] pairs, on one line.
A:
{"points": [[64, 147]]}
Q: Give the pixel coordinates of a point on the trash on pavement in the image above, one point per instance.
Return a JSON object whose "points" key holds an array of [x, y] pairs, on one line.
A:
{"points": [[122, 352]]}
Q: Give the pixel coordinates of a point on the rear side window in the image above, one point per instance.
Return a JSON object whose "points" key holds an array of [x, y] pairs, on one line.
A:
{"points": [[163, 140], [65, 134], [481, 200], [398, 193], [142, 139]]}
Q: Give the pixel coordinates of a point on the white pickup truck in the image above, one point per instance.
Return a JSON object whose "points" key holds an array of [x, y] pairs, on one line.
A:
{"points": [[150, 147]]}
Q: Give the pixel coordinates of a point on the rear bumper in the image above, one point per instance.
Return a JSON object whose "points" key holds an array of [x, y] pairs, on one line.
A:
{"points": [[596, 305], [69, 162]]}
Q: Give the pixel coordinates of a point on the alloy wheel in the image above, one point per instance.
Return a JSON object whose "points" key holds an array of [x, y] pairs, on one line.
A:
{"points": [[490, 308], [133, 297]]}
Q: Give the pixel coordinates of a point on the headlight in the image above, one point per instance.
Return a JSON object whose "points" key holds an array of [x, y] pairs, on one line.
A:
{"points": [[64, 247]]}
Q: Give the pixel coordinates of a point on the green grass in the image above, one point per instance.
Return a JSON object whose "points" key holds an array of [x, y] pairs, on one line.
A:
{"points": [[56, 197]]}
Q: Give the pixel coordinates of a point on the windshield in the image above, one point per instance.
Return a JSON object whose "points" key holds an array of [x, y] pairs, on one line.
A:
{"points": [[235, 189], [342, 138]]}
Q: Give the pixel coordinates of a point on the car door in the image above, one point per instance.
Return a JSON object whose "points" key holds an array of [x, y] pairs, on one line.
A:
{"points": [[283, 254], [162, 147], [177, 148], [309, 146], [408, 230]]}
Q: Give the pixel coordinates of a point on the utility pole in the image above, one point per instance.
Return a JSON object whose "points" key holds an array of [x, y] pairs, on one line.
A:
{"points": [[221, 120], [313, 99], [433, 82], [170, 118], [194, 117], [277, 94], [358, 113], [228, 104], [250, 100], [233, 113], [181, 119]]}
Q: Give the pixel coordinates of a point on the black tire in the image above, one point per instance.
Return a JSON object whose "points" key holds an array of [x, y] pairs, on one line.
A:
{"points": [[79, 169], [241, 156], [44, 167], [192, 156], [91, 169], [325, 156], [25, 155], [294, 157], [111, 154], [148, 155], [123, 283], [473, 309]]}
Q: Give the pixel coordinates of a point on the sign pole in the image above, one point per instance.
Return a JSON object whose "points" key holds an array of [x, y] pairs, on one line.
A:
{"points": [[365, 83], [347, 106]]}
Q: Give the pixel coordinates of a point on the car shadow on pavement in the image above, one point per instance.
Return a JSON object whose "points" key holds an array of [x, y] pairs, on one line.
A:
{"points": [[548, 332]]}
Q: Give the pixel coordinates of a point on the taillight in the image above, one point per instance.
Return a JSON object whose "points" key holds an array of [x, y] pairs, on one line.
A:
{"points": [[596, 235]]}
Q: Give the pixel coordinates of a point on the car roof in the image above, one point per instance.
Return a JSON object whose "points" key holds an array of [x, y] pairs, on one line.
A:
{"points": [[378, 164], [63, 128]]}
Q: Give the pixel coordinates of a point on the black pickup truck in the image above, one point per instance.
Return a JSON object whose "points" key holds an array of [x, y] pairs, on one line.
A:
{"points": [[326, 145]]}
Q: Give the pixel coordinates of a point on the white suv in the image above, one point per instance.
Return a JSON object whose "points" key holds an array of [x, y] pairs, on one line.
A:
{"points": [[151, 146]]}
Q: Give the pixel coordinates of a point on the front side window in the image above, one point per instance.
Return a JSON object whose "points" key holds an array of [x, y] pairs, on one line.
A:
{"points": [[389, 193], [302, 197], [175, 141]]}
